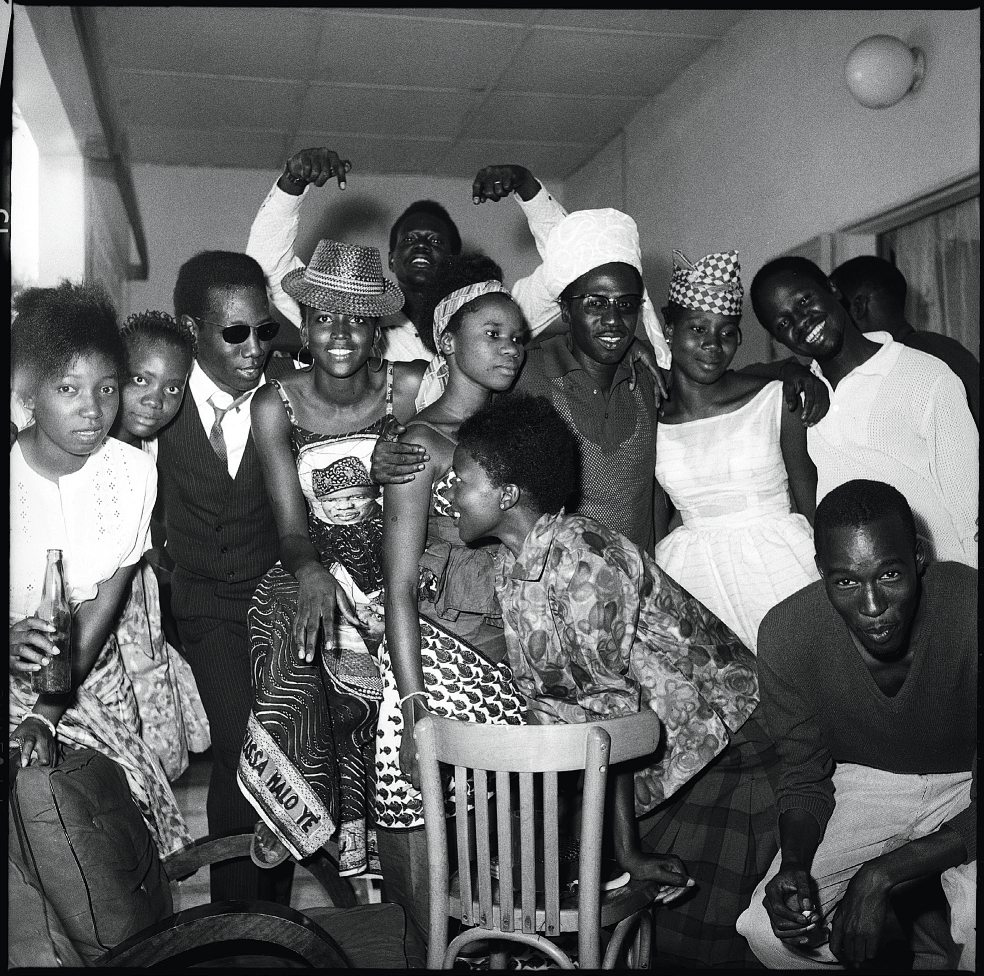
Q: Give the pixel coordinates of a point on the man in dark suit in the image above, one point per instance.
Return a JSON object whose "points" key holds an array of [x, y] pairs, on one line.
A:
{"points": [[220, 530]]}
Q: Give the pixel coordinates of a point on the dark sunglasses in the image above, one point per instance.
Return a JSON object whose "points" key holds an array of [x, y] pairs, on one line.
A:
{"points": [[235, 334]]}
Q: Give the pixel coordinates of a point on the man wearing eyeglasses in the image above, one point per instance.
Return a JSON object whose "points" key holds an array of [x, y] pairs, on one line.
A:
{"points": [[221, 535]]}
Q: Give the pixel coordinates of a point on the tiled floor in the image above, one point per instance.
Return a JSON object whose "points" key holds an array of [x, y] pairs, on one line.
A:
{"points": [[190, 791]]}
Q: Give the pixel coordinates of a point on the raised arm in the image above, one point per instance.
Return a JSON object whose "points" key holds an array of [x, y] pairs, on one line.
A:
{"points": [[543, 213], [318, 592], [274, 231], [404, 538]]}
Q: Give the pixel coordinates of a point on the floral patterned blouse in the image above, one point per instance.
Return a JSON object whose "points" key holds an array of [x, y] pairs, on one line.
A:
{"points": [[595, 629]]}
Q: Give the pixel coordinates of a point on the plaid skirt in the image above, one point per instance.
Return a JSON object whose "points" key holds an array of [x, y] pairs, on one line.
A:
{"points": [[723, 826]]}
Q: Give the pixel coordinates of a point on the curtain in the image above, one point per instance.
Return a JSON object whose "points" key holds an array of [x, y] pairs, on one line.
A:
{"points": [[940, 256]]}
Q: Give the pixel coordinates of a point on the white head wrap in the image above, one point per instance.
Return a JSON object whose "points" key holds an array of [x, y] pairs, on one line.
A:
{"points": [[450, 304], [587, 239]]}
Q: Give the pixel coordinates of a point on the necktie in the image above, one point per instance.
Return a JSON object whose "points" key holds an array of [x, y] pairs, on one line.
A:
{"points": [[215, 436]]}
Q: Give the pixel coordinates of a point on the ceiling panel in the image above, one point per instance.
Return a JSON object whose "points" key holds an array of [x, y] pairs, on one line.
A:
{"points": [[608, 64], [413, 90], [202, 102], [701, 23], [234, 148], [417, 52], [379, 155], [501, 15], [249, 41], [555, 118], [547, 160], [386, 111]]}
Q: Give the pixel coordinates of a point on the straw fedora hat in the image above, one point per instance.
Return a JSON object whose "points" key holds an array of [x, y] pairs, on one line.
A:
{"points": [[345, 278]]}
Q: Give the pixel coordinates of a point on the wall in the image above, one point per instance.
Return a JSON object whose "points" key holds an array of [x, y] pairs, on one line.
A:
{"points": [[189, 209], [67, 216], [759, 145], [49, 205]]}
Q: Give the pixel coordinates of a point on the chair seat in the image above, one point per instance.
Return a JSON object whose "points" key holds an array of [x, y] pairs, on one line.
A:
{"points": [[615, 905]]}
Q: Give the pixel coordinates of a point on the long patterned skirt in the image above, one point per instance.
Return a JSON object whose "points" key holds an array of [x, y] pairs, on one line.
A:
{"points": [[307, 759], [723, 826]]}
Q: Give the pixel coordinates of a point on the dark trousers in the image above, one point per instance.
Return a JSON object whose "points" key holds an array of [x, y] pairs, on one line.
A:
{"points": [[211, 623]]}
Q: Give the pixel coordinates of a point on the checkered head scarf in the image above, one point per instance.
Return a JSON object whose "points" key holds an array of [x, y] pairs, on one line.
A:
{"points": [[346, 472], [713, 284], [587, 239]]}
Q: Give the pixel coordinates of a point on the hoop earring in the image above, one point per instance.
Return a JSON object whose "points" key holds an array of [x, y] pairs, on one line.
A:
{"points": [[374, 353], [305, 358]]}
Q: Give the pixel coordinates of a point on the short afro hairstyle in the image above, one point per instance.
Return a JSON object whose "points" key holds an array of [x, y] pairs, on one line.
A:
{"points": [[521, 440], [218, 270], [858, 503], [55, 326], [433, 209], [155, 326], [785, 265], [875, 274]]}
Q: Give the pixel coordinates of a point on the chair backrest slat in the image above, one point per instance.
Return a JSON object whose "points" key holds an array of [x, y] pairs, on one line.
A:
{"points": [[527, 829], [503, 810], [482, 848], [464, 841], [551, 874]]}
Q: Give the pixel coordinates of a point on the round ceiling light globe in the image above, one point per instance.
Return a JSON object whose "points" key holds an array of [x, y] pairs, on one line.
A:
{"points": [[882, 70]]}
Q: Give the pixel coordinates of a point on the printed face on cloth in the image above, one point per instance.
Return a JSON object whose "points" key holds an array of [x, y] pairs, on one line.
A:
{"points": [[588, 239], [713, 284], [335, 482], [344, 491]]}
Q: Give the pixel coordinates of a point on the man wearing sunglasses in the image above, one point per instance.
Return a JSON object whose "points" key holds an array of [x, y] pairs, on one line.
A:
{"points": [[221, 535]]}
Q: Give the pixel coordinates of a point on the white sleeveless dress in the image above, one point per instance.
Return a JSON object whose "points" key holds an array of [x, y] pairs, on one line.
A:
{"points": [[740, 550]]}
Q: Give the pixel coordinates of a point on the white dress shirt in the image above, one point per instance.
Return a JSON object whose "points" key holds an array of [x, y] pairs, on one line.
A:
{"points": [[235, 423], [902, 418]]}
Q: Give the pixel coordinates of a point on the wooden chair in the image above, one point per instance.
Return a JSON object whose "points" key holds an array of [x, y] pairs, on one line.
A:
{"points": [[497, 912]]}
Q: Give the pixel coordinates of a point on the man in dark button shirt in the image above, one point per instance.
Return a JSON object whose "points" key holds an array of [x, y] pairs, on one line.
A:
{"points": [[868, 680]]}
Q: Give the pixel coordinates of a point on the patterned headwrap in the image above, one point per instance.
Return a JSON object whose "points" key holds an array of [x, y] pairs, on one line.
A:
{"points": [[346, 472], [713, 284], [446, 308], [450, 304], [587, 239]]}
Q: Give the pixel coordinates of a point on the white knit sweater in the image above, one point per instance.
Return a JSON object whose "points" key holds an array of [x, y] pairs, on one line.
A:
{"points": [[902, 418]]}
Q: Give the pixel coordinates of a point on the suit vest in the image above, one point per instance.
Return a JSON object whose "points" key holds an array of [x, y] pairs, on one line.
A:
{"points": [[217, 527]]}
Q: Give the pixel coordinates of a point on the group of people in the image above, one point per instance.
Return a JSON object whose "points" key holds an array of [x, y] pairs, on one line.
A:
{"points": [[530, 505]]}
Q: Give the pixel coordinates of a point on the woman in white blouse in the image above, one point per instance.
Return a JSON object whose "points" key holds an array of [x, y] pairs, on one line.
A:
{"points": [[73, 488]]}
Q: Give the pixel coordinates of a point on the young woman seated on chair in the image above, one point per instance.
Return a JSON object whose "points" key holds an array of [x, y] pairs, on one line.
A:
{"points": [[594, 629]]}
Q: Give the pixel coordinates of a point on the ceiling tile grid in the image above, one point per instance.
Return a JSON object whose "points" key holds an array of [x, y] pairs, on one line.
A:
{"points": [[412, 90]]}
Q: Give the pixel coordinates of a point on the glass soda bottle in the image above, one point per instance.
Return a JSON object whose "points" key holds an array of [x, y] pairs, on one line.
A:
{"points": [[55, 676]]}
